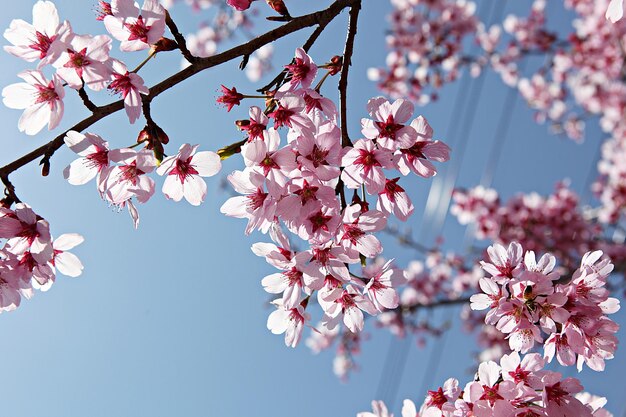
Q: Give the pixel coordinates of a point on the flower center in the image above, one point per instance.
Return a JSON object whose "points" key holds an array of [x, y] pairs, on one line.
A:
{"points": [[183, 169], [138, 30]]}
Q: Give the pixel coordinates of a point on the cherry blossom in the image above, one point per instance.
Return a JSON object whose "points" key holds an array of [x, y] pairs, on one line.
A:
{"points": [[417, 157], [388, 125], [364, 164], [43, 39], [289, 321], [130, 86], [184, 171], [42, 101], [302, 71], [85, 62], [129, 179], [66, 262], [94, 161], [136, 29], [255, 204], [525, 299]]}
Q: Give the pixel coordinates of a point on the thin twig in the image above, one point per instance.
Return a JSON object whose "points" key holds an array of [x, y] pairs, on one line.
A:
{"points": [[322, 17], [86, 101], [180, 39], [9, 191], [435, 304], [145, 105], [278, 80], [347, 61]]}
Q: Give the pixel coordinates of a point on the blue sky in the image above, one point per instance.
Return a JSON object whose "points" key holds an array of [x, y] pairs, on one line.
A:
{"points": [[170, 319]]}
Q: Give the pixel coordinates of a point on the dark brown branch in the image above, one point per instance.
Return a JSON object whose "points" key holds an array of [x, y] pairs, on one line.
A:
{"points": [[307, 45], [86, 101], [435, 304], [322, 17], [145, 106], [180, 39], [347, 61], [9, 192]]}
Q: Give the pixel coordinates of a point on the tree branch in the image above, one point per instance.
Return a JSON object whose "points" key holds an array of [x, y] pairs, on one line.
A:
{"points": [[86, 101], [180, 39], [343, 80], [322, 17], [307, 45]]}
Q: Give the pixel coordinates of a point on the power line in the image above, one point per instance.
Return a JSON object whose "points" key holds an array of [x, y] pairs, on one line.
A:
{"points": [[433, 207]]}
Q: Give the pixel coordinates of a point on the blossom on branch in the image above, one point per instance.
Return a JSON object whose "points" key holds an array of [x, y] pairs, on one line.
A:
{"points": [[43, 39], [184, 171], [42, 101], [136, 29]]}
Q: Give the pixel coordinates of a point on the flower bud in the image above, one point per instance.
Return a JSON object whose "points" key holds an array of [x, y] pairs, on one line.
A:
{"points": [[164, 44], [152, 134], [230, 150], [334, 66], [45, 167], [278, 6]]}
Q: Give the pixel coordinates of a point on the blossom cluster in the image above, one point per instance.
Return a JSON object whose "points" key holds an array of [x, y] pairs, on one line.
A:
{"points": [[527, 297], [556, 223], [78, 61], [30, 257], [518, 386], [122, 174], [427, 47], [301, 186]]}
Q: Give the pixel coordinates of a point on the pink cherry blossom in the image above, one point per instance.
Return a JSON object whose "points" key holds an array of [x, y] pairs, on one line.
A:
{"points": [[42, 101], [364, 164], [43, 39], [382, 284], [10, 296], [256, 125], [388, 125], [348, 308], [264, 156], [319, 154], [289, 321], [357, 228], [85, 62], [129, 179], [66, 262], [255, 204], [288, 113], [505, 263], [417, 157], [296, 277], [393, 199], [25, 232], [130, 86], [94, 161], [136, 29], [184, 171], [303, 199], [302, 71]]}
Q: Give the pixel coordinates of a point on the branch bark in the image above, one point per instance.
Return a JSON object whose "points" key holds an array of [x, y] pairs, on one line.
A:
{"points": [[345, 66]]}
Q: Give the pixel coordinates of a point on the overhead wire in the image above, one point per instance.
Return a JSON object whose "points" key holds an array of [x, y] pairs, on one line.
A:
{"points": [[433, 207]]}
